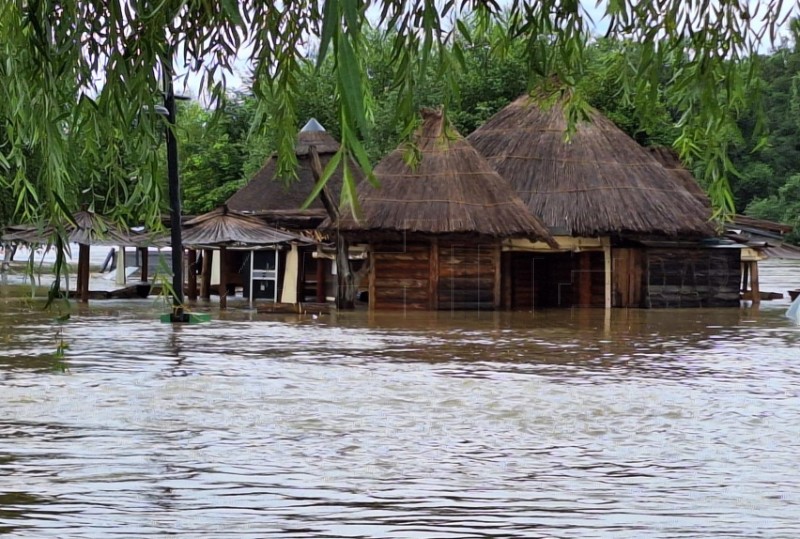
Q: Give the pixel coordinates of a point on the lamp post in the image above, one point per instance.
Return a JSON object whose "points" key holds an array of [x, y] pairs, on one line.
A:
{"points": [[174, 201]]}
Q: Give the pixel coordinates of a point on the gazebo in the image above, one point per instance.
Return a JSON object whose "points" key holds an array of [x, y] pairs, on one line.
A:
{"points": [[222, 230], [631, 232], [434, 228], [86, 229]]}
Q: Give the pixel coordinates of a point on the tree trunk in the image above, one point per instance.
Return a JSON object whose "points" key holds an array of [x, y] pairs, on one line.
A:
{"points": [[347, 283]]}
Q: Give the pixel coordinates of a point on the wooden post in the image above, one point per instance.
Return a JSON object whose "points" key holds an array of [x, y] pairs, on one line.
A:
{"points": [[507, 279], [498, 276], [205, 275], [585, 279], [371, 282], [223, 278], [145, 252], [755, 288], [607, 268], [83, 271], [320, 280], [301, 279], [745, 275], [192, 267], [433, 276]]}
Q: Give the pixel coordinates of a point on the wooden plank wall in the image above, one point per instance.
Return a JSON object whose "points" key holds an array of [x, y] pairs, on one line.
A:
{"points": [[692, 277], [627, 276], [545, 280], [401, 276], [468, 276]]}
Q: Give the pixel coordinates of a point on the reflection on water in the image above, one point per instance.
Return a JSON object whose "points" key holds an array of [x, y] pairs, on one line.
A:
{"points": [[549, 424]]}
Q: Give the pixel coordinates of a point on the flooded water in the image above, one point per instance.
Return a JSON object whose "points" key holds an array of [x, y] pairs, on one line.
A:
{"points": [[553, 424]]}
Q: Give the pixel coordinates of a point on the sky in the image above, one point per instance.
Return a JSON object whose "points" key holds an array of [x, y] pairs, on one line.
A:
{"points": [[189, 83]]}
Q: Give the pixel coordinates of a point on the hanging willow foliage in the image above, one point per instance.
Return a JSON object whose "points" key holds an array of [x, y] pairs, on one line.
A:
{"points": [[78, 77]]}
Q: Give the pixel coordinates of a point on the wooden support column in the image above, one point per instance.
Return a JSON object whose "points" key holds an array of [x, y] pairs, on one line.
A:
{"points": [[507, 279], [83, 272], [745, 275], [607, 270], [755, 288], [223, 278], [584, 279], [145, 252], [192, 270], [205, 275], [498, 276], [433, 275], [320, 280], [371, 283]]}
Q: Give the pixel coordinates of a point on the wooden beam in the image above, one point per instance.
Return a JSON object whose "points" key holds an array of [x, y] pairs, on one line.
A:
{"points": [[607, 270], [223, 278], [145, 263], [83, 270], [498, 277], [205, 276], [433, 275], [192, 271], [371, 283], [320, 280], [755, 287], [584, 279]]}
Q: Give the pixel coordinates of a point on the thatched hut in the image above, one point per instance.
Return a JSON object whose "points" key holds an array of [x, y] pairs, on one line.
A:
{"points": [[278, 201], [434, 229], [629, 228]]}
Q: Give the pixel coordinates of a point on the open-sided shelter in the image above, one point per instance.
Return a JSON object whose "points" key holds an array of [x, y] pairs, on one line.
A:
{"points": [[631, 233], [86, 228], [261, 259], [434, 228]]}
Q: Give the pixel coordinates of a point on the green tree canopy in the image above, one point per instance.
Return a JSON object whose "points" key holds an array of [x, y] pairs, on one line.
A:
{"points": [[75, 77]]}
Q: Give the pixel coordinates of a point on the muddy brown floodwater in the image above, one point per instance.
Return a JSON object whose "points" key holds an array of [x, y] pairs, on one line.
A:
{"points": [[558, 424]]}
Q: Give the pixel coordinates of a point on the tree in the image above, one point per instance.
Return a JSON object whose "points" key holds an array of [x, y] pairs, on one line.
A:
{"points": [[75, 76]]}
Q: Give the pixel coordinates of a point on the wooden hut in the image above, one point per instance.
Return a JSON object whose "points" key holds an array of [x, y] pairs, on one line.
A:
{"points": [[279, 201], [434, 228], [630, 231]]}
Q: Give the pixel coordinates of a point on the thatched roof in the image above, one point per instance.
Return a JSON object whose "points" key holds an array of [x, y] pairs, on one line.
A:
{"points": [[669, 159], [279, 201], [223, 227], [452, 190], [89, 229], [600, 182]]}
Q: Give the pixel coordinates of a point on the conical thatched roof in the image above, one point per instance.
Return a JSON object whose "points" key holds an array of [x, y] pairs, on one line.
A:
{"points": [[600, 182], [278, 201], [452, 190], [670, 161], [222, 227], [89, 229]]}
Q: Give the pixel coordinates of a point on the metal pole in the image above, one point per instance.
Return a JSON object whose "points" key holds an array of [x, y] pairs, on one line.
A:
{"points": [[174, 197]]}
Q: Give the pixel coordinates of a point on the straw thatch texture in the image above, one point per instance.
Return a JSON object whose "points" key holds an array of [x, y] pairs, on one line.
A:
{"points": [[601, 182], [222, 227], [279, 201], [452, 190], [669, 160], [89, 229]]}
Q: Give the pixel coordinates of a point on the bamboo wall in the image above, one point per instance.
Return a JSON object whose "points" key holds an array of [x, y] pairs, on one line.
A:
{"points": [[435, 274], [692, 277]]}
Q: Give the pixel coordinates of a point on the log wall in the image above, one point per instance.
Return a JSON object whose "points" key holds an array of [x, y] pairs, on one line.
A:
{"points": [[627, 277], [435, 274], [467, 276], [401, 276], [692, 277]]}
